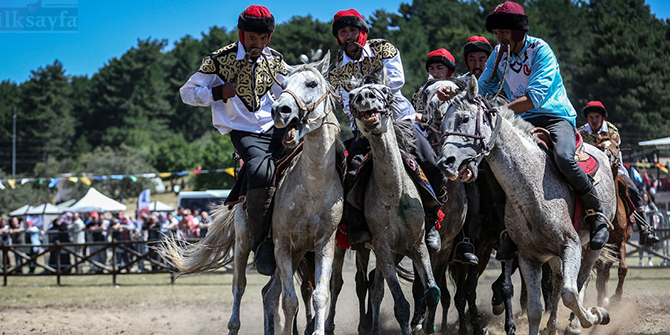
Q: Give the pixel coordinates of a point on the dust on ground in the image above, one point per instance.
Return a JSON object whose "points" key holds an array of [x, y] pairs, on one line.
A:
{"points": [[644, 309]]}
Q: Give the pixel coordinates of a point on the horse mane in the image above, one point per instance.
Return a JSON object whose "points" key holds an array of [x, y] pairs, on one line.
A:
{"points": [[522, 126], [310, 67], [405, 137]]}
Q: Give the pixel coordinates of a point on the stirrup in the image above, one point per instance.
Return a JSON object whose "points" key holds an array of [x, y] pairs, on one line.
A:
{"points": [[591, 212]]}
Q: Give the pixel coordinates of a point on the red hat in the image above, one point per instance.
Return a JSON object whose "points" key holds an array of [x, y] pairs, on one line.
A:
{"points": [[256, 19], [507, 15], [476, 44], [350, 18], [594, 107], [94, 214], [442, 56]]}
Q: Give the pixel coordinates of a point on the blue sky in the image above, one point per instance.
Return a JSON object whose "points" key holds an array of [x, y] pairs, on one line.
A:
{"points": [[108, 28]]}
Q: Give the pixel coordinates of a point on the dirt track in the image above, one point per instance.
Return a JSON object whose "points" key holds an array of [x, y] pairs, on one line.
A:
{"points": [[204, 309]]}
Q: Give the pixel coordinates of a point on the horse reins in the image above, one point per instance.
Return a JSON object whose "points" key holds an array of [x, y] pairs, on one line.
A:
{"points": [[484, 147]]}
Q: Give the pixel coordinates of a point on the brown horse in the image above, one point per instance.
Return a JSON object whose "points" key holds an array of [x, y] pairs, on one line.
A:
{"points": [[623, 228]]}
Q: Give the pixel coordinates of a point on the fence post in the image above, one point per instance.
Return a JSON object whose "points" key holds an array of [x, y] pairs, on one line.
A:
{"points": [[58, 264], [114, 269], [5, 259]]}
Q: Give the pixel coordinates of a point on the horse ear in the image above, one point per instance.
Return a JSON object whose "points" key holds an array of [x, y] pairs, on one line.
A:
{"points": [[473, 88], [289, 68], [324, 64]]}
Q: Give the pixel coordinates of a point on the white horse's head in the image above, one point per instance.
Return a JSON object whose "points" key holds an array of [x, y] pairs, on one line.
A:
{"points": [[466, 131], [436, 109], [305, 101]]}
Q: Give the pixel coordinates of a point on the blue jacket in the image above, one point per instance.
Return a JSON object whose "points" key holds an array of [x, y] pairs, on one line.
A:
{"points": [[534, 72]]}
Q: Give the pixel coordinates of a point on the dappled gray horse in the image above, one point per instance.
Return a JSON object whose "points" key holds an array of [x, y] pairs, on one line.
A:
{"points": [[308, 205], [540, 205], [393, 207]]}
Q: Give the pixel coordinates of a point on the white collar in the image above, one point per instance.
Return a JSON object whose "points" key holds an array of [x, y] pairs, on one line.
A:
{"points": [[241, 52], [603, 128], [366, 51]]}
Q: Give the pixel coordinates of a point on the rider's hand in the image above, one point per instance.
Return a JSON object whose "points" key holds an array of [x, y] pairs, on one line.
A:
{"points": [[445, 93], [228, 90]]}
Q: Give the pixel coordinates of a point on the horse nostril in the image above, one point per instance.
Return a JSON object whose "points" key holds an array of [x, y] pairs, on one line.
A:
{"points": [[285, 109], [449, 162]]}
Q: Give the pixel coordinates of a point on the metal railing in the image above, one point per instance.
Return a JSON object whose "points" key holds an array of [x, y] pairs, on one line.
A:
{"points": [[661, 225]]}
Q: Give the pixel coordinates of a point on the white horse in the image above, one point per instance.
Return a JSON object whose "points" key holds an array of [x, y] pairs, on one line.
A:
{"points": [[308, 206], [540, 205]]}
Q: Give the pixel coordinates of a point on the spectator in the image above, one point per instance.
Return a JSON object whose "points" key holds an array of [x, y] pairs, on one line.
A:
{"points": [[196, 216], [649, 209], [18, 232], [78, 232], [205, 222], [97, 227], [188, 228], [5, 240], [180, 213], [121, 229], [169, 228], [34, 235], [59, 233]]}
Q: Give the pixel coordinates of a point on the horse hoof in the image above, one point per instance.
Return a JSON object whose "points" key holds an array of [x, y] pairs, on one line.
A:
{"points": [[485, 331], [606, 301], [605, 316], [498, 309]]}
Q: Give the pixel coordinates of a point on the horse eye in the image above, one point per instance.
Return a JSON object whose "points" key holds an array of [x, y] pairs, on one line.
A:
{"points": [[311, 84], [465, 119]]}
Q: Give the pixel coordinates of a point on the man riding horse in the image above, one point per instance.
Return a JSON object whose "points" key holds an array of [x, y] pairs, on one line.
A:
{"points": [[532, 81], [440, 64], [358, 57], [604, 135], [241, 81], [475, 53]]}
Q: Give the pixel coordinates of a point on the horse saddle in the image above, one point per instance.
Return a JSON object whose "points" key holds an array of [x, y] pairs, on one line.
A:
{"points": [[587, 162], [287, 160], [356, 196]]}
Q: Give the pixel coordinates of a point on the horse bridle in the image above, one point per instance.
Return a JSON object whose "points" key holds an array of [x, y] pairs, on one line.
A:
{"points": [[484, 147], [309, 108], [379, 95]]}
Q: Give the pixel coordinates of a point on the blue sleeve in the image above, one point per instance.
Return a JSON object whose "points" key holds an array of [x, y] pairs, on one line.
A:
{"points": [[486, 85], [542, 75]]}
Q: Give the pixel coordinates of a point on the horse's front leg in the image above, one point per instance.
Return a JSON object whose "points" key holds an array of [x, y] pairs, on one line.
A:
{"points": [[421, 261], [602, 277], [419, 305], [531, 271], [557, 284], [285, 265], [363, 284], [325, 250], [503, 292], [623, 271], [476, 320], [271, 292], [241, 256], [336, 283]]}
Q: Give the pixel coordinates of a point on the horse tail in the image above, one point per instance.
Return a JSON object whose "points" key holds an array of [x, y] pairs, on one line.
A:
{"points": [[609, 253], [209, 254]]}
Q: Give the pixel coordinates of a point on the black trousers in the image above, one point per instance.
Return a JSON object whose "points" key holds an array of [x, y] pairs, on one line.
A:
{"points": [[259, 152], [633, 192], [563, 137]]}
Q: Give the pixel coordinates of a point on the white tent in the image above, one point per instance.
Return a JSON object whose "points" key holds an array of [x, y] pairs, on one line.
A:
{"points": [[98, 202], [45, 208], [656, 142], [157, 206], [20, 211]]}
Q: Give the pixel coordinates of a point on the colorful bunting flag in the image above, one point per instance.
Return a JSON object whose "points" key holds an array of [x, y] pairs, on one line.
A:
{"points": [[2, 187], [636, 175], [133, 178], [230, 171], [53, 182], [11, 183], [165, 174], [85, 180], [662, 168], [73, 179], [24, 181]]}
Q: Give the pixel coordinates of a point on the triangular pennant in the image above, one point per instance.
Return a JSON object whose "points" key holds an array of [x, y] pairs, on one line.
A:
{"points": [[85, 180], [133, 178], [230, 171], [11, 183], [24, 181], [53, 182], [165, 174], [2, 187], [73, 179]]}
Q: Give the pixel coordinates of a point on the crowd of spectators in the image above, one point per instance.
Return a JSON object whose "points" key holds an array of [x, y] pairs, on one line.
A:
{"points": [[97, 229]]}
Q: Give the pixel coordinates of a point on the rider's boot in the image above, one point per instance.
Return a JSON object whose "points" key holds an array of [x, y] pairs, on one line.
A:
{"points": [[647, 234], [465, 252], [259, 216], [596, 219], [507, 249]]}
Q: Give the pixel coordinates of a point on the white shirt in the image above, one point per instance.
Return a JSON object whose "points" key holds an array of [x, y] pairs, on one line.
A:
{"points": [[396, 78], [232, 114]]}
